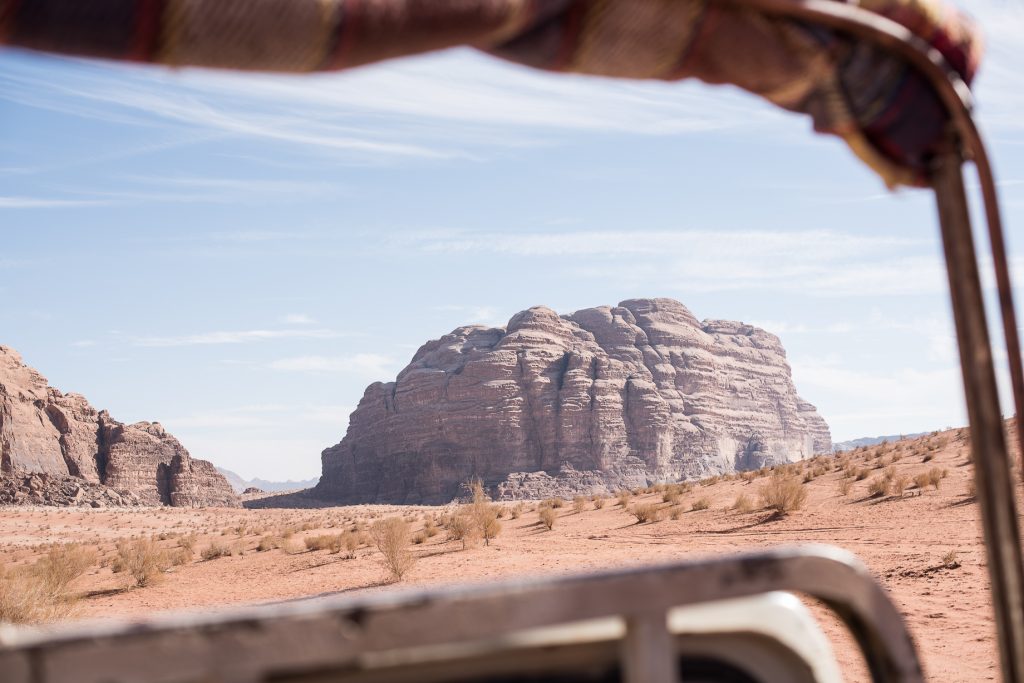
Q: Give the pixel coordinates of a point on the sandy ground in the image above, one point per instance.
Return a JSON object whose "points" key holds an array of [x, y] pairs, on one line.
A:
{"points": [[903, 539]]}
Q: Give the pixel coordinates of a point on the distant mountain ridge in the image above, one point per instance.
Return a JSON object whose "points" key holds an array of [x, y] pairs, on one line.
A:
{"points": [[872, 441], [239, 484]]}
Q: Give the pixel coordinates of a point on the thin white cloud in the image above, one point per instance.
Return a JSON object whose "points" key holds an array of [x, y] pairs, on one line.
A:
{"points": [[364, 364], [233, 337], [48, 202], [297, 319]]}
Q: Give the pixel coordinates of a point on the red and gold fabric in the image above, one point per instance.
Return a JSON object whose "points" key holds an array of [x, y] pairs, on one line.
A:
{"points": [[884, 110]]}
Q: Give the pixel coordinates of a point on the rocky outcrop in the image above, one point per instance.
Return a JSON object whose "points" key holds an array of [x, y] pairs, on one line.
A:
{"points": [[605, 398], [45, 432]]}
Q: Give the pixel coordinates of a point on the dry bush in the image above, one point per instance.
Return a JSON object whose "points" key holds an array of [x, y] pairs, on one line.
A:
{"points": [[899, 484], [269, 542], [40, 592], [671, 496], [579, 504], [743, 503], [391, 536], [645, 512], [623, 497], [555, 502], [921, 480], [188, 543], [430, 527], [879, 486], [845, 485], [675, 512], [547, 517], [862, 473], [598, 502], [783, 494], [701, 504], [419, 538], [935, 477], [484, 514], [323, 542], [950, 560], [180, 556], [215, 551], [142, 561], [460, 528], [927, 457]]}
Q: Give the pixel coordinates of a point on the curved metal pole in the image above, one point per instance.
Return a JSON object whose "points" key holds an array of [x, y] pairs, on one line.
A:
{"points": [[991, 463], [992, 468]]}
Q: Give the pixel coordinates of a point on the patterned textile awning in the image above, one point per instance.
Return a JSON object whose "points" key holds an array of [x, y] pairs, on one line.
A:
{"points": [[885, 111]]}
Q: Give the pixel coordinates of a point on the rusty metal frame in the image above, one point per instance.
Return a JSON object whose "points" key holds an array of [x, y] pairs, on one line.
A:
{"points": [[240, 646], [334, 635], [992, 463]]}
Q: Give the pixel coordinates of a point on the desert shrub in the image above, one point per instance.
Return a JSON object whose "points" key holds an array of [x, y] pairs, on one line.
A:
{"points": [[269, 542], [645, 512], [899, 484], [188, 542], [671, 496], [743, 503], [579, 504], [935, 477], [623, 497], [844, 487], [950, 560], [783, 494], [61, 565], [862, 473], [598, 502], [484, 514], [879, 486], [927, 457], [142, 561], [180, 556], [921, 480], [460, 528], [216, 550], [313, 543], [430, 528], [675, 512], [555, 502], [701, 504], [40, 592], [419, 538], [350, 542], [547, 517], [391, 536]]}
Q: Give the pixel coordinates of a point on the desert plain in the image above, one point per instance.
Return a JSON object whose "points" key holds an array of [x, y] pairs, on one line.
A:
{"points": [[906, 508]]}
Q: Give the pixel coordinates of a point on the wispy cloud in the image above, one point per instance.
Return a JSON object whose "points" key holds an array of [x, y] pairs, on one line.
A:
{"points": [[297, 319], [49, 202], [364, 364], [234, 337]]}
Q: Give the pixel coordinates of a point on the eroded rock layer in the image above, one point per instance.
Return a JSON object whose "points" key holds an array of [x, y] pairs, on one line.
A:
{"points": [[605, 398], [45, 432]]}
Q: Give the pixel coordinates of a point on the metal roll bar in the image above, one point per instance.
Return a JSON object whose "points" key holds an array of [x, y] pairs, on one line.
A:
{"points": [[992, 464], [993, 472], [336, 636]]}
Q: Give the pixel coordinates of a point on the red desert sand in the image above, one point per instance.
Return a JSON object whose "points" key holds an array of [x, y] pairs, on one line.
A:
{"points": [[923, 545]]}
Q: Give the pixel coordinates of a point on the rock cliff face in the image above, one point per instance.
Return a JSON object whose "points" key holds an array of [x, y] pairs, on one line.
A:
{"points": [[605, 398], [43, 431]]}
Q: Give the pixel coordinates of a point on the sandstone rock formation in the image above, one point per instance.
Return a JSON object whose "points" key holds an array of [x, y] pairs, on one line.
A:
{"points": [[61, 436], [605, 398]]}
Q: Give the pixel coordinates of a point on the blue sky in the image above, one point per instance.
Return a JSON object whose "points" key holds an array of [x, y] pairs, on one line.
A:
{"points": [[239, 256]]}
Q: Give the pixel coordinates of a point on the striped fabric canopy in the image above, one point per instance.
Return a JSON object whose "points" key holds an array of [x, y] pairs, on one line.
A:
{"points": [[880, 106]]}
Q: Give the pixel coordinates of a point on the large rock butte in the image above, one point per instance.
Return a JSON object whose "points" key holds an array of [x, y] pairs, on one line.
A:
{"points": [[605, 398], [45, 432]]}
